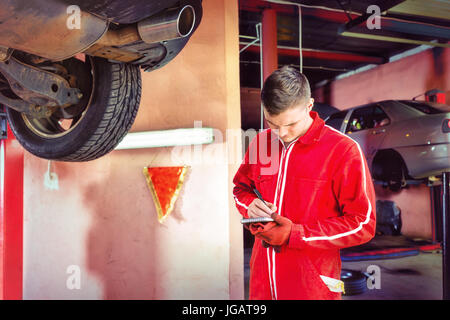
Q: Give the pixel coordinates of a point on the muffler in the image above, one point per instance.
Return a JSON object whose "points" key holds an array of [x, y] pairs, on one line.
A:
{"points": [[169, 25], [41, 27]]}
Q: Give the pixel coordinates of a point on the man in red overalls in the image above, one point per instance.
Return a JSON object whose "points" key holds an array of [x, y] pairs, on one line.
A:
{"points": [[317, 187]]}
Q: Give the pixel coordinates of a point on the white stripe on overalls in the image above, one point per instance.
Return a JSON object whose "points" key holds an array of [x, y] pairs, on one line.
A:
{"points": [[369, 209], [287, 152], [239, 203]]}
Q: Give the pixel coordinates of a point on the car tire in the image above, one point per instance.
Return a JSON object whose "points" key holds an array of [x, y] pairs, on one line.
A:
{"points": [[108, 115], [396, 178], [389, 167]]}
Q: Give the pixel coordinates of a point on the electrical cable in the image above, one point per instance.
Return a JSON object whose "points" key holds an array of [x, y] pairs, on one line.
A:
{"points": [[300, 53]]}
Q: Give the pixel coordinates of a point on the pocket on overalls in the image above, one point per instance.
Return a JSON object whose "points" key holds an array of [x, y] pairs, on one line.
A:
{"points": [[318, 289]]}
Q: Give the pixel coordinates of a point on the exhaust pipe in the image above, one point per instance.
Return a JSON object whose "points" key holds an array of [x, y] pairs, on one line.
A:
{"points": [[169, 25]]}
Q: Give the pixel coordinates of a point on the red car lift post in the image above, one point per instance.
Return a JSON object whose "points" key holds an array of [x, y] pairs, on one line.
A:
{"points": [[11, 216], [438, 96], [268, 49], [269, 42], [445, 236]]}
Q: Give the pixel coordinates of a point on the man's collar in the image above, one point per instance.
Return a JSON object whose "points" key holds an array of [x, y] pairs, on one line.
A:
{"points": [[314, 132]]}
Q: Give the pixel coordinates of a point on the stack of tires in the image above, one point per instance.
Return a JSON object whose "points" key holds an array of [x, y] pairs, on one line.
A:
{"points": [[355, 282]]}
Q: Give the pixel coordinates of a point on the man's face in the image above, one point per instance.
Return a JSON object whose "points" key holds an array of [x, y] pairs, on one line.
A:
{"points": [[291, 123]]}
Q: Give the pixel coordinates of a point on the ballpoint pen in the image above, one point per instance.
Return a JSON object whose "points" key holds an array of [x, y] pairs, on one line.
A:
{"points": [[258, 219]]}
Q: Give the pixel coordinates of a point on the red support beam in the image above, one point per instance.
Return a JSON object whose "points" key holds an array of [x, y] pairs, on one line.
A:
{"points": [[260, 5], [322, 55], [328, 15], [11, 218], [269, 42], [269, 46], [322, 14]]}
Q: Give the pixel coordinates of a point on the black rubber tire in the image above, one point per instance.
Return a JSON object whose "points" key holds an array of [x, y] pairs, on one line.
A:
{"points": [[355, 282], [397, 175], [114, 105], [390, 168]]}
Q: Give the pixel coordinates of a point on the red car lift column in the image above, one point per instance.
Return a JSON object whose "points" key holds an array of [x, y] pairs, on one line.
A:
{"points": [[438, 96], [269, 42], [11, 217]]}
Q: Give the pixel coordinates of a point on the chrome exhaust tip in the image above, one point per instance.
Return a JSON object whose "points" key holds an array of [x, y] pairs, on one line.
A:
{"points": [[170, 24]]}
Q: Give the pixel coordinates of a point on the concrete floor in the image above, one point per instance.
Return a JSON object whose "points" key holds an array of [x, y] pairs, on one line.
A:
{"points": [[417, 277]]}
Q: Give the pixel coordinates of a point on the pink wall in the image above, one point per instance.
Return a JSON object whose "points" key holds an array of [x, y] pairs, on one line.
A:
{"points": [[402, 79], [415, 207], [103, 219]]}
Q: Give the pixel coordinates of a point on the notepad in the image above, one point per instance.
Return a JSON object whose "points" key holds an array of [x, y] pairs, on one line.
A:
{"points": [[255, 220]]}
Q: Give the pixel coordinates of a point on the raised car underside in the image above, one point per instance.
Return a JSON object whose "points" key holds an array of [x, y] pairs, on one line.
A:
{"points": [[133, 31], [70, 69], [36, 32]]}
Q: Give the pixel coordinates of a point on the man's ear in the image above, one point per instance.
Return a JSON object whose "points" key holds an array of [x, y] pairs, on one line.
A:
{"points": [[311, 105]]}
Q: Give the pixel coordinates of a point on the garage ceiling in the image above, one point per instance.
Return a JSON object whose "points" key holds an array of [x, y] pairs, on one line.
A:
{"points": [[335, 38]]}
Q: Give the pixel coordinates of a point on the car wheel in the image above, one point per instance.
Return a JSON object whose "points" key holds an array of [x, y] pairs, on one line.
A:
{"points": [[93, 127], [397, 176], [389, 167]]}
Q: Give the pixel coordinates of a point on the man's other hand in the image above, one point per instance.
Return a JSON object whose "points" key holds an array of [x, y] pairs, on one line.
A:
{"points": [[279, 234], [258, 209]]}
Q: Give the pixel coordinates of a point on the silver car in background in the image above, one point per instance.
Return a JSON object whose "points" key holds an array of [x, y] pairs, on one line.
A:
{"points": [[401, 139]]}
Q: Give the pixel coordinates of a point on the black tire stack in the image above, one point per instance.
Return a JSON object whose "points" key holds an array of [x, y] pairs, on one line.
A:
{"points": [[355, 282]]}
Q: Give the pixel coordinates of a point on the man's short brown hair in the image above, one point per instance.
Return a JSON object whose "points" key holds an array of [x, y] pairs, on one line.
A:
{"points": [[283, 89]]}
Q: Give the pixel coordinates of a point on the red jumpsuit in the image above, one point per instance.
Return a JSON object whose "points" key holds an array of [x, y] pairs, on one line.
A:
{"points": [[321, 182]]}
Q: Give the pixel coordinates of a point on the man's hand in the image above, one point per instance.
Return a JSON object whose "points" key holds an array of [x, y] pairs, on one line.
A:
{"points": [[279, 234], [258, 209]]}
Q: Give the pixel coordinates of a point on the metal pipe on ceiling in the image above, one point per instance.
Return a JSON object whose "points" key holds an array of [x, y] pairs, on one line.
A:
{"points": [[392, 39], [318, 54]]}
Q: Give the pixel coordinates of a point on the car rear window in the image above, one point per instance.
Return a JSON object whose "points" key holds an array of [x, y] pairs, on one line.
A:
{"points": [[428, 107], [336, 119]]}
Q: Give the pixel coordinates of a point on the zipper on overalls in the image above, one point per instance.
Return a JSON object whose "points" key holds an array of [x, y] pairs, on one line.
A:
{"points": [[281, 174]]}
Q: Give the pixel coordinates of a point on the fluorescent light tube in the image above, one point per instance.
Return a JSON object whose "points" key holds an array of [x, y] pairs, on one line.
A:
{"points": [[166, 138]]}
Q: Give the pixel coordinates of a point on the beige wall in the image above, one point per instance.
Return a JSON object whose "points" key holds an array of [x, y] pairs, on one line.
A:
{"points": [[103, 219]]}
